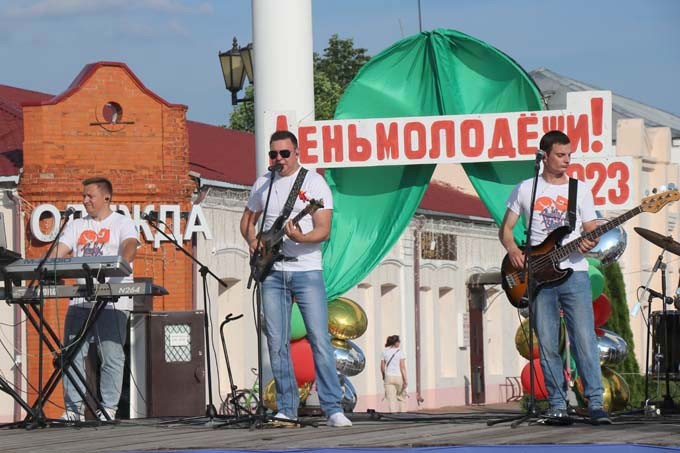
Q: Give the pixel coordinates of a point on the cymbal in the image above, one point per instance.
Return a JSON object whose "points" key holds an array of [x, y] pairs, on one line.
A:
{"points": [[665, 242]]}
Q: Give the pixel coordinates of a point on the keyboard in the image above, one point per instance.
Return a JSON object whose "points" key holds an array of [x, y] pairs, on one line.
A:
{"points": [[69, 267], [32, 293]]}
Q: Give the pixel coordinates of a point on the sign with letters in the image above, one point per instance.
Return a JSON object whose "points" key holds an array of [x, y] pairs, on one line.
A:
{"points": [[167, 213], [497, 137]]}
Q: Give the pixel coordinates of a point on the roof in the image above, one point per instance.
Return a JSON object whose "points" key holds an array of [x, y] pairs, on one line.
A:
{"points": [[221, 154], [17, 96], [441, 197], [555, 88], [12, 127]]}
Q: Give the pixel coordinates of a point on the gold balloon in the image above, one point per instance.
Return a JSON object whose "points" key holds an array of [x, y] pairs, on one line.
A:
{"points": [[269, 394], [346, 319], [305, 391], [339, 343], [522, 340], [616, 391]]}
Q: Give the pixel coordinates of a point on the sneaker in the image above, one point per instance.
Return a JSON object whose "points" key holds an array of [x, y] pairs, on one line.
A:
{"points": [[338, 420], [281, 420], [556, 416], [599, 417], [72, 416], [109, 411]]}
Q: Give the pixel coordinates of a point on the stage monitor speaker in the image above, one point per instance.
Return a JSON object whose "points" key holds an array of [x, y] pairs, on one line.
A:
{"points": [[167, 364]]}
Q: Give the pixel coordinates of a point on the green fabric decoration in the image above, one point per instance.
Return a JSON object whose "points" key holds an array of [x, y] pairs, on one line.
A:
{"points": [[441, 72], [297, 324]]}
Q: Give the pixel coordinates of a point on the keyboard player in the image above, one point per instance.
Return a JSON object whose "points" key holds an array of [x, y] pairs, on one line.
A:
{"points": [[101, 233]]}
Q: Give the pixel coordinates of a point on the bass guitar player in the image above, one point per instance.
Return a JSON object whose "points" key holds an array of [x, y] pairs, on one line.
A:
{"points": [[572, 295]]}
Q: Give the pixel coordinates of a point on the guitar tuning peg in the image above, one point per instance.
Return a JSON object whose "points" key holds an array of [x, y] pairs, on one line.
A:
{"points": [[654, 190], [662, 188], [646, 193], [671, 186]]}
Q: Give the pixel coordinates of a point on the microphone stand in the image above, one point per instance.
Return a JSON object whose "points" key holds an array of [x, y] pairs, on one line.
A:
{"points": [[659, 264], [261, 416], [41, 271], [667, 402], [261, 411], [153, 221], [532, 411]]}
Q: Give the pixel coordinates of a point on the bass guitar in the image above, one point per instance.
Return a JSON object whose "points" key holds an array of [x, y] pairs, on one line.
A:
{"points": [[271, 241], [547, 256]]}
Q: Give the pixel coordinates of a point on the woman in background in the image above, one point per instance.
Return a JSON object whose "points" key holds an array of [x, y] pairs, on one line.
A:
{"points": [[393, 369]]}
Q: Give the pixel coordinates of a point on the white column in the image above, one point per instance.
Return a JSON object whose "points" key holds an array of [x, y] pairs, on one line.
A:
{"points": [[282, 68]]}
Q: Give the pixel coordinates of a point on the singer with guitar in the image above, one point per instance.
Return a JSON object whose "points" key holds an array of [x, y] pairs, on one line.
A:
{"points": [[572, 295], [286, 261]]}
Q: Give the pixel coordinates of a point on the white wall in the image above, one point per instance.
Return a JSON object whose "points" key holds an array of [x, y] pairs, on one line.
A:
{"points": [[10, 351]]}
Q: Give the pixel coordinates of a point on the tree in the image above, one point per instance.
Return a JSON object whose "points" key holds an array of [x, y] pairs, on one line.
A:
{"points": [[333, 71], [340, 61], [619, 323], [243, 116]]}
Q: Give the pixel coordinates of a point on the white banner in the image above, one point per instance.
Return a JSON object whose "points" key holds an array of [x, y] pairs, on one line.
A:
{"points": [[497, 137], [453, 139]]}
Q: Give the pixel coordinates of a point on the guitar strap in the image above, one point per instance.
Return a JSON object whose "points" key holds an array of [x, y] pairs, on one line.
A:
{"points": [[571, 206], [294, 191]]}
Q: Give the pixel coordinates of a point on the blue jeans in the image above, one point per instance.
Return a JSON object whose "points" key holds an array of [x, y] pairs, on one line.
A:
{"points": [[109, 334], [308, 288], [574, 297]]}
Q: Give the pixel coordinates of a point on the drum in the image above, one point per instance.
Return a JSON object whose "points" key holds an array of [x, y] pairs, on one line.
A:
{"points": [[662, 354]]}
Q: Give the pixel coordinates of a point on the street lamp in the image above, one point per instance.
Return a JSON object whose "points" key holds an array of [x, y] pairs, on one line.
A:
{"points": [[237, 64]]}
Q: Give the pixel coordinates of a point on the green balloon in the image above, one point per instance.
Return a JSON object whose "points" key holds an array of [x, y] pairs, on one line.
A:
{"points": [[595, 262], [596, 281], [297, 324]]}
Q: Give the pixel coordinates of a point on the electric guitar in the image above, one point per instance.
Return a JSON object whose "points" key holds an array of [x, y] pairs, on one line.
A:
{"points": [[547, 256], [271, 241]]}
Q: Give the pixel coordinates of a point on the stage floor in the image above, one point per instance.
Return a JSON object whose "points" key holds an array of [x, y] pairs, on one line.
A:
{"points": [[466, 426]]}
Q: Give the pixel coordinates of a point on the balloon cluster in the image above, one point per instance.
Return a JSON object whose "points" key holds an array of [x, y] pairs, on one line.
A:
{"points": [[346, 321], [612, 347]]}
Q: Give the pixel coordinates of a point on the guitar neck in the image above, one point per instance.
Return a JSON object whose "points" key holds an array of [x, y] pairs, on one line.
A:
{"points": [[279, 234], [563, 252]]}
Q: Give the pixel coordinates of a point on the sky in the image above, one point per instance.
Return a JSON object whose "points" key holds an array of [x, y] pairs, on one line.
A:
{"points": [[631, 47]]}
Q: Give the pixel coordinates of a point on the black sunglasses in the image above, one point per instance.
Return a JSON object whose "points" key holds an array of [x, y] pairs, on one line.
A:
{"points": [[285, 153]]}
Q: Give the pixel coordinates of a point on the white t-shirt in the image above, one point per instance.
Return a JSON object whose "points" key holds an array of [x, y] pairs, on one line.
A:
{"points": [[392, 368], [89, 237], [550, 212], [314, 187]]}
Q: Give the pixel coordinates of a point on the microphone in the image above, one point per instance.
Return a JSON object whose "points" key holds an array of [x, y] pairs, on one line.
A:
{"points": [[540, 154], [668, 300], [275, 167], [68, 213], [151, 215]]}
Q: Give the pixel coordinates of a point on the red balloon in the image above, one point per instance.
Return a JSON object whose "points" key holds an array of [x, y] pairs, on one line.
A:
{"points": [[602, 310], [303, 361], [540, 391]]}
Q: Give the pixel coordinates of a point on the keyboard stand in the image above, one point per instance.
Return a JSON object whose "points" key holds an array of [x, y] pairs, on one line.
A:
{"points": [[7, 388], [63, 356]]}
